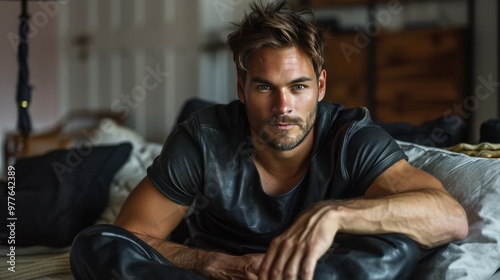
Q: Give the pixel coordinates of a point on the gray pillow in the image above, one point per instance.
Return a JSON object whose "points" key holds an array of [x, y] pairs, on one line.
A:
{"points": [[475, 183]]}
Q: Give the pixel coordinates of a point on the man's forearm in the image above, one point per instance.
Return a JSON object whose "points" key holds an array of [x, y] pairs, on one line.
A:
{"points": [[206, 263], [429, 217]]}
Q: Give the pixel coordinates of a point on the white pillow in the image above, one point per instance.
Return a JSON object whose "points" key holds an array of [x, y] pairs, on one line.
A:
{"points": [[127, 178], [475, 183], [108, 132]]}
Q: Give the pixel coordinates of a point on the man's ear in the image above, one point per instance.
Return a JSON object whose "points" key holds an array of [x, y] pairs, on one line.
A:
{"points": [[240, 87], [322, 85]]}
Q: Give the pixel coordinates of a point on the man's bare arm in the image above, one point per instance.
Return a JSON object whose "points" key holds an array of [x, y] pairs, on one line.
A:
{"points": [[410, 201], [401, 200], [151, 216]]}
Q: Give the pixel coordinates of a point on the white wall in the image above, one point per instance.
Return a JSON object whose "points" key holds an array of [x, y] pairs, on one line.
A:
{"points": [[43, 63], [140, 60], [216, 68]]}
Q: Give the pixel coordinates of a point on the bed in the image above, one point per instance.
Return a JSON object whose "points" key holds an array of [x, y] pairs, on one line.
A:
{"points": [[124, 155]]}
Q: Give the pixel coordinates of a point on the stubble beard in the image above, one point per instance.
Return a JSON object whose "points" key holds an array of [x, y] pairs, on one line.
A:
{"points": [[284, 141]]}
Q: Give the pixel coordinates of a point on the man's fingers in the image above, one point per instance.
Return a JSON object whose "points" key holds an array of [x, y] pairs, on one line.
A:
{"points": [[283, 259], [267, 263], [292, 268], [296, 251], [309, 262]]}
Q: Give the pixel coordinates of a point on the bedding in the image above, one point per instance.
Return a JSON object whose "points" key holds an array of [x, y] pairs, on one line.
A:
{"points": [[46, 262], [475, 182], [60, 193]]}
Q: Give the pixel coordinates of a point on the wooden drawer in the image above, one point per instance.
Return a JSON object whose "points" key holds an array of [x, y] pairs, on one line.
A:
{"points": [[419, 74], [415, 101], [421, 53], [418, 90], [416, 113]]}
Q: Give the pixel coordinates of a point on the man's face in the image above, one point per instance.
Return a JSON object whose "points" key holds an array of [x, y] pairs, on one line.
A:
{"points": [[281, 91]]}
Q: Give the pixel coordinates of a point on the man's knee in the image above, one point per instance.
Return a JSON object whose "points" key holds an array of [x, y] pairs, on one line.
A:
{"points": [[111, 252], [386, 256], [106, 250]]}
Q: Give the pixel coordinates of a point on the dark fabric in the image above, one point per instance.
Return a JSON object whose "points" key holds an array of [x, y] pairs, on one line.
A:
{"points": [[110, 252], [192, 105], [60, 193], [181, 232], [490, 131], [353, 257], [445, 131], [207, 160]]}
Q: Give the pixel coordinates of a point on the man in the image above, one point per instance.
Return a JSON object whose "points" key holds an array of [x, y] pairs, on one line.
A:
{"points": [[277, 185]]}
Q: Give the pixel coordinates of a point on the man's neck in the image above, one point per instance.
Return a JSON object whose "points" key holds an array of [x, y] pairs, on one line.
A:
{"points": [[282, 170]]}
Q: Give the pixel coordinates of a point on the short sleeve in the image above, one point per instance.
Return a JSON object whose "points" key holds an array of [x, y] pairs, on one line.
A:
{"points": [[177, 171], [370, 151]]}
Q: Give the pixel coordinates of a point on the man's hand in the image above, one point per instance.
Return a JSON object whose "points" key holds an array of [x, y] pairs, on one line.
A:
{"points": [[237, 267], [296, 252], [213, 265]]}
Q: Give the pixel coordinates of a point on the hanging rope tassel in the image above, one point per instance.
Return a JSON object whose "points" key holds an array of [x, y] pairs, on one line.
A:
{"points": [[23, 95]]}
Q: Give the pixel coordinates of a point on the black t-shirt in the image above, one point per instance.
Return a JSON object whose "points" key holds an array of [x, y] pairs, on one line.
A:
{"points": [[206, 162]]}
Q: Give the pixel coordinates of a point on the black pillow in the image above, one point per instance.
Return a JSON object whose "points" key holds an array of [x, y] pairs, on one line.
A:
{"points": [[60, 193], [445, 131]]}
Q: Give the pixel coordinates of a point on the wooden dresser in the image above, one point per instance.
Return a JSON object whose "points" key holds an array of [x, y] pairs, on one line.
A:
{"points": [[407, 75]]}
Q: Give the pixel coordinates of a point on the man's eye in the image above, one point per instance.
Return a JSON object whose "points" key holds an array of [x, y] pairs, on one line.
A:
{"points": [[263, 88], [299, 87]]}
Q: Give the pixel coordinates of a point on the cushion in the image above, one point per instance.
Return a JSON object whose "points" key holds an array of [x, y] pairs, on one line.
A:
{"points": [[444, 131], [490, 131], [132, 172], [108, 132], [62, 192], [475, 183]]}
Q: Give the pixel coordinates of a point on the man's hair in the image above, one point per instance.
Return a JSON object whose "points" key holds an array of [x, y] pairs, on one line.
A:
{"points": [[276, 25]]}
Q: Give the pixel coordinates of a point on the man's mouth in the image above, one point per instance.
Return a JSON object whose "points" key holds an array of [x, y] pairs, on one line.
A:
{"points": [[283, 126], [283, 123]]}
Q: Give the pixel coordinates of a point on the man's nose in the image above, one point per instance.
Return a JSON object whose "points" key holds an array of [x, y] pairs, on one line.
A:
{"points": [[282, 103]]}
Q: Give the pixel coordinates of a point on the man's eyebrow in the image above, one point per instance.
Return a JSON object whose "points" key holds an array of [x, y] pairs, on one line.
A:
{"points": [[301, 80], [295, 81], [260, 80]]}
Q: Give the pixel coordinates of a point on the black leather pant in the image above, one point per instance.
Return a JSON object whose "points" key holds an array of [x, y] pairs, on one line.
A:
{"points": [[110, 252]]}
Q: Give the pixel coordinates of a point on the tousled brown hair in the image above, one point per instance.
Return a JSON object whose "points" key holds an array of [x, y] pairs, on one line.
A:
{"points": [[276, 25]]}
